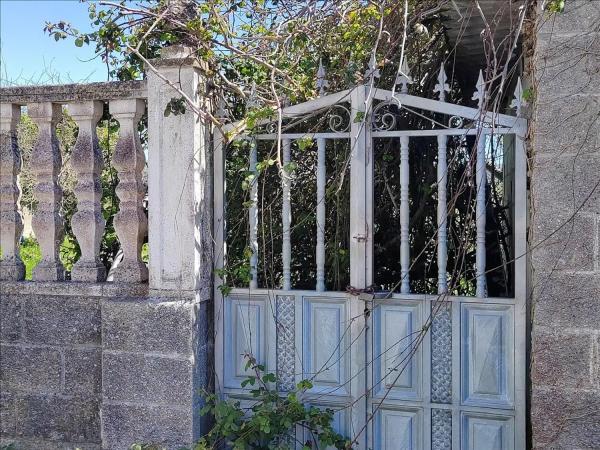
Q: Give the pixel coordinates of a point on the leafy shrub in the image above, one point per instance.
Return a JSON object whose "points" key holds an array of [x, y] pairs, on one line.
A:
{"points": [[269, 422], [31, 255]]}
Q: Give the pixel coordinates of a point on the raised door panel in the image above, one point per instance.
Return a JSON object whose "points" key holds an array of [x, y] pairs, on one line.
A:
{"points": [[398, 429], [397, 354], [487, 355], [246, 334], [326, 341], [487, 432]]}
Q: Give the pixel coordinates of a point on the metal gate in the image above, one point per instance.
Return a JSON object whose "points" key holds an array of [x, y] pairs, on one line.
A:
{"points": [[402, 370]]}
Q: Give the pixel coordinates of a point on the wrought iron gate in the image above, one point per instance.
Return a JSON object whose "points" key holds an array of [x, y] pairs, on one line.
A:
{"points": [[403, 370]]}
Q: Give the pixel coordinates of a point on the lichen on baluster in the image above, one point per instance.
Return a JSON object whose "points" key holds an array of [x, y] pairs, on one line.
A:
{"points": [[87, 163], [11, 222], [131, 222], [46, 163]]}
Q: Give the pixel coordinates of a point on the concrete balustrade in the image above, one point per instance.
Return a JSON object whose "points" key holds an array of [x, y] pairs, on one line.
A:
{"points": [[85, 104], [11, 265], [88, 222], [46, 163], [131, 222]]}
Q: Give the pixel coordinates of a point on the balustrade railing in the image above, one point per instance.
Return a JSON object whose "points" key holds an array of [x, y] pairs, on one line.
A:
{"points": [[85, 104], [179, 192]]}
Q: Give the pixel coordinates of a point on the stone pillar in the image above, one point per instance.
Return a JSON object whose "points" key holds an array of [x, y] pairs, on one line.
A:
{"points": [[157, 350], [565, 221], [11, 265], [180, 194], [88, 222], [46, 163]]}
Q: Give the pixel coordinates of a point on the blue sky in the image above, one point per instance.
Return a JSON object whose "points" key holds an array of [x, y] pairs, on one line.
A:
{"points": [[28, 56]]}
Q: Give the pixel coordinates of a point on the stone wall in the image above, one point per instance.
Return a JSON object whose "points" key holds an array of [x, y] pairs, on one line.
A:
{"points": [[565, 233], [93, 366], [104, 365], [155, 361], [51, 365]]}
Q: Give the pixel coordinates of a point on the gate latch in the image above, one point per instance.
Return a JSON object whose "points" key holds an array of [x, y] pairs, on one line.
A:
{"points": [[366, 296], [360, 237]]}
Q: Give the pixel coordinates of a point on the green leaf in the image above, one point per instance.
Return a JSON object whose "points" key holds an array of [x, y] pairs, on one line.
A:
{"points": [[304, 143], [359, 117], [269, 378], [304, 385], [556, 6], [290, 167], [528, 94], [249, 380], [225, 290]]}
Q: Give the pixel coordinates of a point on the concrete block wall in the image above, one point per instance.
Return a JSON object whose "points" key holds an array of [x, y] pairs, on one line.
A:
{"points": [[565, 230], [50, 365], [93, 366], [153, 368]]}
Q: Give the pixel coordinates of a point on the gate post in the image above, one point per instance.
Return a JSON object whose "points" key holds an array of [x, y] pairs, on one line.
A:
{"points": [[157, 350], [360, 259], [359, 231], [179, 175]]}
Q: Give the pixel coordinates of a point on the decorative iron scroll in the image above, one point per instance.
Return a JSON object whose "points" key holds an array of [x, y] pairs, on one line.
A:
{"points": [[271, 127], [456, 122], [335, 118], [383, 118], [338, 117]]}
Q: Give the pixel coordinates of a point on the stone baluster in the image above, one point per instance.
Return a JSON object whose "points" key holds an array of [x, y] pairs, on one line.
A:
{"points": [[87, 163], [11, 266], [131, 222], [46, 162]]}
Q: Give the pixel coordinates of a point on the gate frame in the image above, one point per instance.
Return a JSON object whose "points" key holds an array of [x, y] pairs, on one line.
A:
{"points": [[361, 243]]}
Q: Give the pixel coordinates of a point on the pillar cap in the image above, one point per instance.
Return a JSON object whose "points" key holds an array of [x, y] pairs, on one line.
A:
{"points": [[178, 56]]}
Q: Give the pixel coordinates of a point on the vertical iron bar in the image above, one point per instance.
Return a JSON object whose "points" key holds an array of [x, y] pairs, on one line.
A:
{"points": [[321, 178], [442, 215], [404, 216], [253, 215], [286, 214], [480, 215]]}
